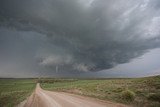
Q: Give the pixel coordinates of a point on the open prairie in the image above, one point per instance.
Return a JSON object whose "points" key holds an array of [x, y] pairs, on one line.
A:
{"points": [[14, 91], [116, 92], [138, 92], [80, 53]]}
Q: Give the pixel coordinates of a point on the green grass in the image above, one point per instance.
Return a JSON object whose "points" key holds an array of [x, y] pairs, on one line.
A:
{"points": [[14, 91], [111, 89]]}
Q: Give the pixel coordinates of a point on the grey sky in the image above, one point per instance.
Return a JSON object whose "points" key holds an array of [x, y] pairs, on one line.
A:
{"points": [[79, 38]]}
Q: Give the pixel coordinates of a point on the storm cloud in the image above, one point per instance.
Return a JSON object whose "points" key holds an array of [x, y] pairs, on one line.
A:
{"points": [[70, 36]]}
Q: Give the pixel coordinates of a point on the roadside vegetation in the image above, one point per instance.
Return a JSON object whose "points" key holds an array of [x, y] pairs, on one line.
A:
{"points": [[14, 91], [139, 92]]}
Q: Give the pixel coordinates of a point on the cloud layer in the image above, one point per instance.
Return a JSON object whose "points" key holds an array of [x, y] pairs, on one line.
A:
{"points": [[77, 35]]}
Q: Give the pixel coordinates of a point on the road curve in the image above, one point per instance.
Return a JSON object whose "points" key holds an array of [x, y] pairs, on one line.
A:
{"points": [[43, 98]]}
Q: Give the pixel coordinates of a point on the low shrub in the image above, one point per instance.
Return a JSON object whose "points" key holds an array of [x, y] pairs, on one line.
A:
{"points": [[118, 90], [128, 95], [154, 97]]}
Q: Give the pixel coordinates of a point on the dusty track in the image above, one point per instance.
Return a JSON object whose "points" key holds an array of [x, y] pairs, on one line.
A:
{"points": [[43, 98]]}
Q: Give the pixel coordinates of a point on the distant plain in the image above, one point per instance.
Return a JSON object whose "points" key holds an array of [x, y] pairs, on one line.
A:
{"points": [[136, 92]]}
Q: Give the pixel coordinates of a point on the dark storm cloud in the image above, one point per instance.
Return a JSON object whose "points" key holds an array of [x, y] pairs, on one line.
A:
{"points": [[79, 35]]}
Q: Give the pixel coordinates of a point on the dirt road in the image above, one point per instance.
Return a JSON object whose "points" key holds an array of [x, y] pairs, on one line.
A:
{"points": [[43, 98]]}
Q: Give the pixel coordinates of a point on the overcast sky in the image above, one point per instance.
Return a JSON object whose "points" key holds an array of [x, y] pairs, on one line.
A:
{"points": [[79, 38]]}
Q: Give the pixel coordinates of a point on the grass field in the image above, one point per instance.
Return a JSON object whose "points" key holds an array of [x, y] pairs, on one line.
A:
{"points": [[139, 92], [14, 91]]}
